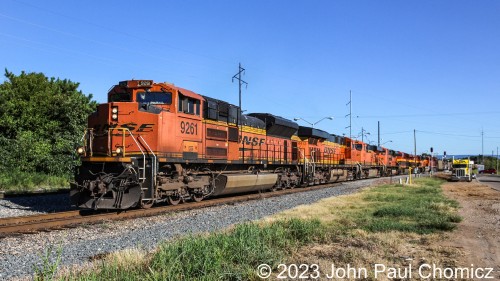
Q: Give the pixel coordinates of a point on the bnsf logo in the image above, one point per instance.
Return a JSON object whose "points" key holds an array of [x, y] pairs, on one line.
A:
{"points": [[252, 141], [329, 150], [143, 128]]}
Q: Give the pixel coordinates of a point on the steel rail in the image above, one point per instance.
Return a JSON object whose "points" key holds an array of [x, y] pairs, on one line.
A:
{"points": [[31, 224]]}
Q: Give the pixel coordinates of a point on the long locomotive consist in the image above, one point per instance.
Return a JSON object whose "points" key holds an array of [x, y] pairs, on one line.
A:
{"points": [[155, 142]]}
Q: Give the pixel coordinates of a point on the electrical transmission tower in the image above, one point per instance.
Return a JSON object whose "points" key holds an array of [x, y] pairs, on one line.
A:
{"points": [[237, 76], [350, 115]]}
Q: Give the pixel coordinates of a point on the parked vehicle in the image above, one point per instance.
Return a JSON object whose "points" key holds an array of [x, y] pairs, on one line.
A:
{"points": [[488, 171]]}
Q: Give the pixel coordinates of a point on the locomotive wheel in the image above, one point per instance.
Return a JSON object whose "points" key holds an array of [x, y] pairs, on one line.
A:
{"points": [[173, 199], [196, 197], [146, 204]]}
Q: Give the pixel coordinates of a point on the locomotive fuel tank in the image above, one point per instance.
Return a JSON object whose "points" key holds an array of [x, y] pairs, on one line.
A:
{"points": [[239, 183]]}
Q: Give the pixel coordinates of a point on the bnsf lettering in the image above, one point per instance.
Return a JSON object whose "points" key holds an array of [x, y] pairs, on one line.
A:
{"points": [[104, 128], [143, 128], [130, 126], [252, 141], [329, 150]]}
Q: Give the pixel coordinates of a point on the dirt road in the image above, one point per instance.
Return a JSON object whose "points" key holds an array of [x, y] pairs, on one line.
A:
{"points": [[477, 237]]}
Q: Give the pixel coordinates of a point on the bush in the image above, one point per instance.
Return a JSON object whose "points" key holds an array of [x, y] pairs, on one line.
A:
{"points": [[41, 123]]}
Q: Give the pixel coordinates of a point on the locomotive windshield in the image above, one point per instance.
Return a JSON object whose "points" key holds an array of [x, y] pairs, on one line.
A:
{"points": [[154, 97], [117, 97]]}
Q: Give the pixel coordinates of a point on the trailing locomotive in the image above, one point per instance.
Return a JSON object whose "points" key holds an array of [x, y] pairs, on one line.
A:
{"points": [[155, 142]]}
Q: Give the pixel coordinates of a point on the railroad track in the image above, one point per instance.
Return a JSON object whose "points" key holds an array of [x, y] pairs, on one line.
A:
{"points": [[44, 222]]}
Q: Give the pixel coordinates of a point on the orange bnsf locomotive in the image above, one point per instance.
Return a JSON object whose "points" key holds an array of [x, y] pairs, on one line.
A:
{"points": [[155, 142]]}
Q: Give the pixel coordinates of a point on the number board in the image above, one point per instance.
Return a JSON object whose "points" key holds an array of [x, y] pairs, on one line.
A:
{"points": [[189, 128]]}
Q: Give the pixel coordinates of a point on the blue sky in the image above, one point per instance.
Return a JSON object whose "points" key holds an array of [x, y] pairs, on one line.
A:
{"points": [[429, 66]]}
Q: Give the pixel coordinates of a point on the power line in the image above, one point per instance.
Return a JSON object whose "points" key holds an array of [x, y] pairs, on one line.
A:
{"points": [[430, 115], [458, 135], [400, 132]]}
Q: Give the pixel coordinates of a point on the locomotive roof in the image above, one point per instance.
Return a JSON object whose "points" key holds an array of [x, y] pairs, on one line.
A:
{"points": [[271, 119], [337, 139], [189, 93], [251, 121], [312, 132], [277, 125], [216, 100]]}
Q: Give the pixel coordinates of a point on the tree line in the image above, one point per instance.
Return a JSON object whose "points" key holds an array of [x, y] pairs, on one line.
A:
{"points": [[41, 122]]}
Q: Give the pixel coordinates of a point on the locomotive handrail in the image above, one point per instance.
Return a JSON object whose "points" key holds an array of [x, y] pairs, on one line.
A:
{"points": [[313, 161], [123, 147], [154, 157], [90, 139]]}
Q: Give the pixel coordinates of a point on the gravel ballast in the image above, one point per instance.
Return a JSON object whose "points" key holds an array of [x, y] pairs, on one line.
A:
{"points": [[20, 255], [32, 205]]}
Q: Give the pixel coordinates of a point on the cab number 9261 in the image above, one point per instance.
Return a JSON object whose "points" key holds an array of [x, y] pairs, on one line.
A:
{"points": [[189, 128]]}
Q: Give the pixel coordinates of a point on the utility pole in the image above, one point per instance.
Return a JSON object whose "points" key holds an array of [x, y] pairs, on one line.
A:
{"points": [[482, 146], [497, 159], [350, 115], [415, 142], [378, 123], [362, 135], [237, 76]]}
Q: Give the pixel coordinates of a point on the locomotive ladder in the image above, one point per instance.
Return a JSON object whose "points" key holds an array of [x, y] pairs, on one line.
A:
{"points": [[145, 171], [151, 183], [142, 170]]}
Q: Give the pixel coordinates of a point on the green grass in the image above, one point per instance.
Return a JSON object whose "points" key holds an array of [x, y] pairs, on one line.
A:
{"points": [[230, 255], [420, 209], [15, 182], [235, 254]]}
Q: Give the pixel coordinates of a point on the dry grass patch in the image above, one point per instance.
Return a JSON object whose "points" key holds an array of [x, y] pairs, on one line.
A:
{"points": [[391, 225], [362, 249], [128, 259], [328, 210]]}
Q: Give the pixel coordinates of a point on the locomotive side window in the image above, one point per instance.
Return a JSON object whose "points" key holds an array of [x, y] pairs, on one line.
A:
{"points": [[154, 97], [189, 105], [119, 97]]}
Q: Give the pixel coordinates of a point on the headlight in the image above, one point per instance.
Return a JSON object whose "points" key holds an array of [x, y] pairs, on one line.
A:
{"points": [[114, 111], [80, 150], [119, 150]]}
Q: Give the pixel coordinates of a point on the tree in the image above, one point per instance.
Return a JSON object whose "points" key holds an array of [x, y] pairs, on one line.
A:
{"points": [[41, 122]]}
